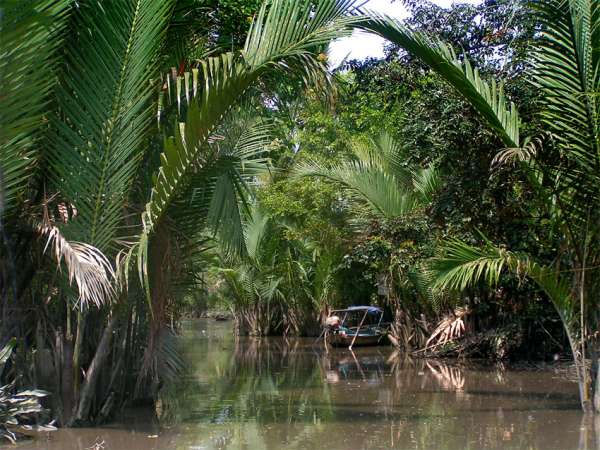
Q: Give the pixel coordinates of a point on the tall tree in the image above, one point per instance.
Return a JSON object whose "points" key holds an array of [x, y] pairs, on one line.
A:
{"points": [[563, 172]]}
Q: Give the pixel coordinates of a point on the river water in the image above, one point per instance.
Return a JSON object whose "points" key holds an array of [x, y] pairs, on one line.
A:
{"points": [[245, 394]]}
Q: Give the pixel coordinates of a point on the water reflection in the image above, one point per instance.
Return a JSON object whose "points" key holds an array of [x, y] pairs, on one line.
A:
{"points": [[272, 393]]}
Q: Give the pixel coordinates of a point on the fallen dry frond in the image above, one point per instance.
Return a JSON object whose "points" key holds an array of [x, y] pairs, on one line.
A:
{"points": [[87, 266], [451, 327]]}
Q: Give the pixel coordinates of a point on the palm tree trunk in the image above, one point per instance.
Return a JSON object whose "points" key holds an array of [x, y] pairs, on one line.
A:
{"points": [[66, 358], [93, 372], [81, 319]]}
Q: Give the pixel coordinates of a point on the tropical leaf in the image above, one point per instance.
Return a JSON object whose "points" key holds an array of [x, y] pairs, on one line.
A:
{"points": [[5, 353], [215, 199], [422, 281], [462, 265], [427, 182], [87, 266], [379, 179], [31, 33], [105, 111], [567, 71], [255, 229], [283, 36], [487, 98]]}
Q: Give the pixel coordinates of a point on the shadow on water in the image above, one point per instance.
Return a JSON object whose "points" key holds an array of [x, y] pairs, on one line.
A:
{"points": [[275, 393]]}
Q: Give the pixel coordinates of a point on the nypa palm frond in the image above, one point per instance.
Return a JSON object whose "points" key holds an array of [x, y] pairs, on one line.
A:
{"points": [[462, 265], [255, 229], [283, 36], [105, 110], [31, 33], [567, 71], [379, 179], [488, 98], [215, 199], [427, 182]]}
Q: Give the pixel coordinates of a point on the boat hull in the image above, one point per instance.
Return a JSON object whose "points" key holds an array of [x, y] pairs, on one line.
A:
{"points": [[345, 340]]}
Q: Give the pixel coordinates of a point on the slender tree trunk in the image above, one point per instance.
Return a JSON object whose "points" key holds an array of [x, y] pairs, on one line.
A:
{"points": [[67, 370], [93, 372], [81, 320]]}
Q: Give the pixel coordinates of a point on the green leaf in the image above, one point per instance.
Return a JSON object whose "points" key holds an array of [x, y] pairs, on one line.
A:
{"points": [[487, 98], [31, 34], [106, 109], [461, 266], [379, 179]]}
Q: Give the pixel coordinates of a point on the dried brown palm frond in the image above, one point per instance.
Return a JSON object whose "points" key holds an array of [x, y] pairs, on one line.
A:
{"points": [[513, 155], [451, 327], [526, 153], [86, 265]]}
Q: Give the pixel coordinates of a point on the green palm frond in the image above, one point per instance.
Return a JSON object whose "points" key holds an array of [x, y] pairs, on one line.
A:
{"points": [[567, 70], [427, 182], [268, 289], [255, 229], [244, 150], [386, 154], [487, 98], [105, 111], [379, 179], [462, 266], [31, 33], [422, 282], [251, 286], [226, 209], [216, 196], [381, 191], [323, 279], [295, 30], [283, 36]]}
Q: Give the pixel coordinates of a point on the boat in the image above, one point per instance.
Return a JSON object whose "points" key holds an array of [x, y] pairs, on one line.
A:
{"points": [[356, 326]]}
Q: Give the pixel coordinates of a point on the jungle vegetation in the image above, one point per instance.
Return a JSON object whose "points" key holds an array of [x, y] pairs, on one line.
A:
{"points": [[158, 157]]}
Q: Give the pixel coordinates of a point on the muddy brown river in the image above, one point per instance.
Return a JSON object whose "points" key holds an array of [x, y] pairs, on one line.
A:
{"points": [[246, 394]]}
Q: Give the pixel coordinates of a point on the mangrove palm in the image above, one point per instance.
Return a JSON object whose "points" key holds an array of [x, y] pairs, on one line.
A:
{"points": [[561, 166], [111, 187]]}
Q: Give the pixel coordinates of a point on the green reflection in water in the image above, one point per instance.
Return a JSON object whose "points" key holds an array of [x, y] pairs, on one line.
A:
{"points": [[272, 394]]}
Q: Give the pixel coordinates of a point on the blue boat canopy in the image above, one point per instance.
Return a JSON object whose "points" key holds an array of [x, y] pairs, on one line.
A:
{"points": [[369, 309]]}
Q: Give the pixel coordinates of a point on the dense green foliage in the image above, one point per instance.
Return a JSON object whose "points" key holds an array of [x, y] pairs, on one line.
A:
{"points": [[107, 213], [507, 176], [176, 152]]}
